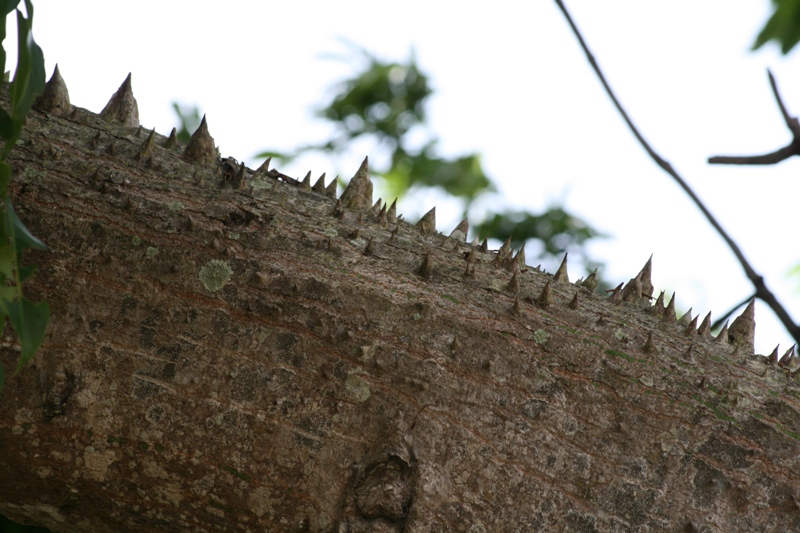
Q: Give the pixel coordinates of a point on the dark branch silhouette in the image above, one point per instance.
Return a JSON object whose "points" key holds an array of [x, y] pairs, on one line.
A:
{"points": [[761, 290], [793, 148]]}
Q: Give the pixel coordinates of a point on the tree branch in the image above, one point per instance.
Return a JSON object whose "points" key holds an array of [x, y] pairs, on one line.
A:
{"points": [[778, 155], [757, 280]]}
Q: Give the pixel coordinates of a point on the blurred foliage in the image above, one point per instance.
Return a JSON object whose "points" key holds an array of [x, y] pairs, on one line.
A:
{"points": [[386, 101], [188, 120], [783, 26]]}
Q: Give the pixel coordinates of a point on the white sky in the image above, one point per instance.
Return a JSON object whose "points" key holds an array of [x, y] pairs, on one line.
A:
{"points": [[512, 84]]}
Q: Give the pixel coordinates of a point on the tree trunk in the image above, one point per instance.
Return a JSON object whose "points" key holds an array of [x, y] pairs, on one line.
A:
{"points": [[230, 351]]}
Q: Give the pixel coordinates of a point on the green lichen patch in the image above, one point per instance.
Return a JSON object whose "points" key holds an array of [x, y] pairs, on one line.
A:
{"points": [[215, 274], [540, 336], [176, 206], [451, 298], [136, 241], [151, 252]]}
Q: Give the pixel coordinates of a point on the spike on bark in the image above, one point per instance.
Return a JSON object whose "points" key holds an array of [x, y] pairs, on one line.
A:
{"points": [[369, 249], [686, 318], [426, 268], [55, 96], [650, 345], [517, 309], [122, 108], [358, 193], [391, 214], [669, 315], [338, 210], [306, 183], [787, 357], [239, 181], [330, 190], [505, 249], [545, 299], [319, 185], [633, 290], [146, 150], [722, 336], [590, 283], [772, 359], [658, 307], [201, 148], [616, 294], [645, 278], [574, 304], [382, 218], [376, 207], [705, 326], [513, 284], [518, 261], [484, 247], [743, 328], [460, 232], [172, 140], [561, 275], [264, 167], [428, 221], [691, 328]]}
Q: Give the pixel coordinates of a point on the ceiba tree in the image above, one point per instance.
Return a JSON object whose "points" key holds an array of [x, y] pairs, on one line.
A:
{"points": [[236, 350]]}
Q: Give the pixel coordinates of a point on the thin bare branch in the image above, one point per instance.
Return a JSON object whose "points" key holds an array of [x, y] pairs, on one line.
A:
{"points": [[757, 280], [765, 159], [791, 122], [778, 155]]}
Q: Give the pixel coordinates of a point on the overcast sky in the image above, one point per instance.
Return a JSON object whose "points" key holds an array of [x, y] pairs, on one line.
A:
{"points": [[512, 84]]}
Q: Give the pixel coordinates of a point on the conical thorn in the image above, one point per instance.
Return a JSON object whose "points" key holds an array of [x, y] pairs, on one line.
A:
{"points": [[426, 268], [122, 108], [201, 148], [306, 183], [650, 345], [705, 326], [513, 284], [460, 232], [55, 96], [669, 316], [743, 328], [358, 193], [561, 275], [428, 221], [319, 185], [545, 299]]}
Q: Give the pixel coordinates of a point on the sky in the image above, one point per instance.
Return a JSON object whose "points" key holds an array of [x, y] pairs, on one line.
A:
{"points": [[510, 83]]}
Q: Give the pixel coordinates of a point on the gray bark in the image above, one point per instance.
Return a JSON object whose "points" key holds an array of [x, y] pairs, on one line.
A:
{"points": [[240, 359]]}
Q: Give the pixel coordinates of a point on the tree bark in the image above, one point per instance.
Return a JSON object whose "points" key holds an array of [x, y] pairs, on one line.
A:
{"points": [[253, 358]]}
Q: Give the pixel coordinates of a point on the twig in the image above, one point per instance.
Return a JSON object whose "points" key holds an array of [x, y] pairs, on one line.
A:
{"points": [[793, 148], [761, 290]]}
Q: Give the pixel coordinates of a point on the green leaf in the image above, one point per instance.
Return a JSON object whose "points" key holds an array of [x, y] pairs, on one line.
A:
{"points": [[6, 125], [30, 77], [26, 272], [7, 6], [6, 261], [22, 237], [30, 322], [783, 26], [5, 177]]}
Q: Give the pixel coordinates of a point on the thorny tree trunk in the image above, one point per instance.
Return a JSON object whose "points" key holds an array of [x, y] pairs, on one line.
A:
{"points": [[353, 374]]}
